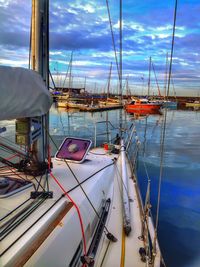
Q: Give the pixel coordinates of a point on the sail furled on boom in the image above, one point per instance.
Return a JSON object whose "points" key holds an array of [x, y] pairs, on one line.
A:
{"points": [[23, 93]]}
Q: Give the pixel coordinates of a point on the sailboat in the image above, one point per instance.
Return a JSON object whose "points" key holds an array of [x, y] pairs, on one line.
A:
{"points": [[195, 104], [143, 105], [80, 208], [166, 102], [110, 101]]}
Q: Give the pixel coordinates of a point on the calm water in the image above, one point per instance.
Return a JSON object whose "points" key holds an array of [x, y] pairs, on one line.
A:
{"points": [[179, 224], [179, 221]]}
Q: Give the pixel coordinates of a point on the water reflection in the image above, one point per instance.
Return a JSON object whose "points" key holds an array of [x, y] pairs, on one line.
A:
{"points": [[179, 223], [143, 113]]}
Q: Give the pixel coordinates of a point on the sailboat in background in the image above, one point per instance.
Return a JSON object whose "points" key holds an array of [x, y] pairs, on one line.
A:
{"points": [[144, 105], [166, 102], [195, 104], [79, 208], [109, 101]]}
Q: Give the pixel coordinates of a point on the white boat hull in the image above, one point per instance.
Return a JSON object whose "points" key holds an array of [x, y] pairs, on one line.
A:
{"points": [[51, 235]]}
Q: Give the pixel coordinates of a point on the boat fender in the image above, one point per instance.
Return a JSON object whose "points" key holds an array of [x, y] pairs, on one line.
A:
{"points": [[143, 254]]}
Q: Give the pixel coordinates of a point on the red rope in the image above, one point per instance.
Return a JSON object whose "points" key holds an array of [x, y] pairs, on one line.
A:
{"points": [[76, 207]]}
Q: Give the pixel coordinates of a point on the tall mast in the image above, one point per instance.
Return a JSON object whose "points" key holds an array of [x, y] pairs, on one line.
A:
{"points": [[85, 84], [172, 48], [109, 78], [166, 72], [40, 38], [120, 65], [40, 61], [70, 75], [149, 81]]}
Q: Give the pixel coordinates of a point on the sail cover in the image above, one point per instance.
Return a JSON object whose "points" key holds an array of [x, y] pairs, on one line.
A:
{"points": [[23, 93]]}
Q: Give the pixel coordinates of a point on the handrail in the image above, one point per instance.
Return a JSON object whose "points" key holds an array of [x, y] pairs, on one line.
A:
{"points": [[108, 132], [113, 127]]}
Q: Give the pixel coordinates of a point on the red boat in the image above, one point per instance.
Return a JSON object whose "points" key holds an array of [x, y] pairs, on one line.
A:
{"points": [[138, 105]]}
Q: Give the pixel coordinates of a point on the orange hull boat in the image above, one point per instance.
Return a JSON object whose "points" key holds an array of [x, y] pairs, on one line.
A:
{"points": [[138, 105]]}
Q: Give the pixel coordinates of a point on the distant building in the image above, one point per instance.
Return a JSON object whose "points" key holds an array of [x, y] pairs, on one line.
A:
{"points": [[76, 91]]}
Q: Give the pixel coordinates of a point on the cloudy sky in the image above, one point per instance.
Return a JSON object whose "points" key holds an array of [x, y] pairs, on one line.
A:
{"points": [[83, 27]]}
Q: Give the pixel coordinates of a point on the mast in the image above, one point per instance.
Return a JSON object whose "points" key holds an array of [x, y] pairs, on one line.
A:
{"points": [[109, 78], [40, 63], [149, 81], [40, 38], [85, 81], [172, 48], [159, 94], [125, 189], [127, 87], [70, 75], [120, 65], [166, 72]]}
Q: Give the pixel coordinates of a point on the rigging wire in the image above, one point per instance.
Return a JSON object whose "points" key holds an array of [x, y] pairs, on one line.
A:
{"points": [[80, 185], [113, 38], [156, 79], [10, 145], [50, 74], [68, 69], [164, 131], [172, 49]]}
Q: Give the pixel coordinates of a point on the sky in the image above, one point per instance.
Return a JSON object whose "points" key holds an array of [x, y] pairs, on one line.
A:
{"points": [[83, 27]]}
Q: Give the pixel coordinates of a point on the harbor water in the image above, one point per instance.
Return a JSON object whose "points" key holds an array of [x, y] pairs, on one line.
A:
{"points": [[179, 216], [179, 213]]}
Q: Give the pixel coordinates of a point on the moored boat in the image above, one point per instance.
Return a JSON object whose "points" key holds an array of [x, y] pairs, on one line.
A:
{"points": [[110, 102], [142, 105], [169, 104], [193, 104]]}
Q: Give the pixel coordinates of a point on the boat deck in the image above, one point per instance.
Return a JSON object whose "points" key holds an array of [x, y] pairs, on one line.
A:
{"points": [[124, 252], [96, 175]]}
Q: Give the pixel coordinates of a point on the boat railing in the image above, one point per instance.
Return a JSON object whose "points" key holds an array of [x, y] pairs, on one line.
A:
{"points": [[108, 130]]}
